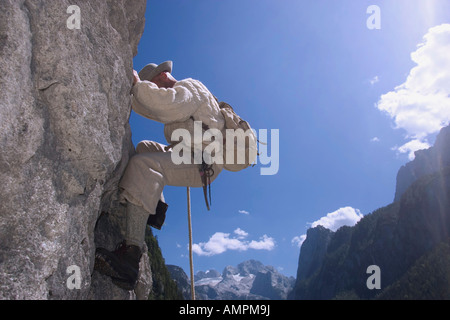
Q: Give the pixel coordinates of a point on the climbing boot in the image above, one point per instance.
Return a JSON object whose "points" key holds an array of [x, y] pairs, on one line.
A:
{"points": [[122, 264], [157, 220]]}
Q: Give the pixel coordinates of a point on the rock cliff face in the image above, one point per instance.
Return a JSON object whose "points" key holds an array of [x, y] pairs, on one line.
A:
{"points": [[271, 284], [181, 279], [313, 251], [65, 142]]}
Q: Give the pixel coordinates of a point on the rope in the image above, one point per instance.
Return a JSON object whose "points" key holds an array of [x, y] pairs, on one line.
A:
{"points": [[191, 260]]}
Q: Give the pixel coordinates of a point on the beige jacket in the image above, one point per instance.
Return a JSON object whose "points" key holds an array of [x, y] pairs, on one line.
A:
{"points": [[189, 100]]}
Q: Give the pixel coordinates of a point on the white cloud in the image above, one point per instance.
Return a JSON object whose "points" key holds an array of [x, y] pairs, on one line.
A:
{"points": [[218, 243], [411, 147], [374, 80], [375, 139], [221, 242], [240, 233], [421, 105], [264, 243], [298, 240], [244, 212], [346, 216]]}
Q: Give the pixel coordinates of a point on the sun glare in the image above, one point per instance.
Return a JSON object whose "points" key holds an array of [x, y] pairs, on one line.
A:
{"points": [[429, 11]]}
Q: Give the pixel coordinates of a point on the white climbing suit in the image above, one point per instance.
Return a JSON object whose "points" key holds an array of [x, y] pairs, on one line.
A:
{"points": [[152, 168]]}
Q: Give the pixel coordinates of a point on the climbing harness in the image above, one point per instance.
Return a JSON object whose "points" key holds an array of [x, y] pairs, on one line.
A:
{"points": [[206, 173]]}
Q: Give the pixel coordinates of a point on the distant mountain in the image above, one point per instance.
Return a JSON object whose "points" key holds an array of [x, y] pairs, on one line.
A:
{"points": [[408, 240], [250, 280]]}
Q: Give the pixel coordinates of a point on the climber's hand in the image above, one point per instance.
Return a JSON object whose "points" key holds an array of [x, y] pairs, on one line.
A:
{"points": [[136, 77]]}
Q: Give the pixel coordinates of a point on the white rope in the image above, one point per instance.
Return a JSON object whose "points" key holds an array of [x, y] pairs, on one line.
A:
{"points": [[191, 260]]}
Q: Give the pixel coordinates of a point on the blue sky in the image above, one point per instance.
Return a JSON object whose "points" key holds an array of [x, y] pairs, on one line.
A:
{"points": [[343, 97]]}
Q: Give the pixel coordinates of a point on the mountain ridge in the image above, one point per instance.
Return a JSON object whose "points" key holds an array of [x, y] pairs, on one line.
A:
{"points": [[333, 265], [249, 280]]}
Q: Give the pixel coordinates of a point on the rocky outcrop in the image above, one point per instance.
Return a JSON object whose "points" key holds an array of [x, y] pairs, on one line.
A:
{"points": [[425, 162], [181, 279], [65, 142], [313, 251], [206, 275], [271, 284]]}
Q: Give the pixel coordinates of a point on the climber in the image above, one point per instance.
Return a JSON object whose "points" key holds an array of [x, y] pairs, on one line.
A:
{"points": [[158, 96]]}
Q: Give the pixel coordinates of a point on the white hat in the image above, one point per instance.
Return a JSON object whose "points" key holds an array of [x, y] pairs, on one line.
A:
{"points": [[151, 70]]}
